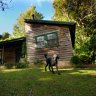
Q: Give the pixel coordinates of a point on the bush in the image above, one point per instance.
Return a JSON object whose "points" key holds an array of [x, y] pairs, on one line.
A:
{"points": [[75, 60], [84, 59], [21, 65], [80, 61], [8, 65], [39, 63]]}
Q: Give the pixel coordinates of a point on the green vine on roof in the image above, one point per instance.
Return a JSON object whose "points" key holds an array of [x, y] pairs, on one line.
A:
{"points": [[5, 36]]}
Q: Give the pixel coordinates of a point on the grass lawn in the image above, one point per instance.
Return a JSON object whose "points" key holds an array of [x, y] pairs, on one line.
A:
{"points": [[36, 82]]}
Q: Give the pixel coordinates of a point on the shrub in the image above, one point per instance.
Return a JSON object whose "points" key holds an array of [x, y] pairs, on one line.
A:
{"points": [[84, 59], [75, 60], [8, 65], [80, 61], [39, 63], [21, 65]]}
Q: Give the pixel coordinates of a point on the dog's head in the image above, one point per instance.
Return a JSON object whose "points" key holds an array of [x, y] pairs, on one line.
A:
{"points": [[55, 56]]}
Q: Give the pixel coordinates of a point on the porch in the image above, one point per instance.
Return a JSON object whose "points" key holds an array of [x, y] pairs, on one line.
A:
{"points": [[11, 50]]}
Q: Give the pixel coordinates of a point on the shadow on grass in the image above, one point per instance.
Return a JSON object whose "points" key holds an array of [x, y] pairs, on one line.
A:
{"points": [[37, 82]]}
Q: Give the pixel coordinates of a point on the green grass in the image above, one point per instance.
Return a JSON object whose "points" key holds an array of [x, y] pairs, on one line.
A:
{"points": [[37, 82]]}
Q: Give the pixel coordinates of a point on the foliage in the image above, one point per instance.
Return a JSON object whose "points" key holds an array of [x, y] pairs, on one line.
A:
{"points": [[18, 32], [76, 10], [60, 12], [84, 59], [22, 64], [19, 27], [75, 60], [91, 32], [84, 13], [5, 36], [4, 4], [39, 63], [80, 61], [9, 65]]}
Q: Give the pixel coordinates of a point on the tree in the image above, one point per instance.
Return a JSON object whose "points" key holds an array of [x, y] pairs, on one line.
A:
{"points": [[19, 26], [60, 13], [76, 10], [91, 31], [5, 36]]}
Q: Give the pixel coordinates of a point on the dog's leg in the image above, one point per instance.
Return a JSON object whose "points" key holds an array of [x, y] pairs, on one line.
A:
{"points": [[52, 70], [57, 69], [46, 67]]}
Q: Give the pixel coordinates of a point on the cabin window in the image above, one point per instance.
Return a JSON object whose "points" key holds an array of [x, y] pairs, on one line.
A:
{"points": [[52, 39], [40, 41], [47, 40]]}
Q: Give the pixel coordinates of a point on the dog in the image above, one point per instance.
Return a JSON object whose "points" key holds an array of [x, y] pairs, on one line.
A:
{"points": [[51, 61]]}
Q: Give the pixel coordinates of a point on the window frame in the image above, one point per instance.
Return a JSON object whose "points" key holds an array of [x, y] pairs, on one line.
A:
{"points": [[46, 39], [57, 40], [37, 41]]}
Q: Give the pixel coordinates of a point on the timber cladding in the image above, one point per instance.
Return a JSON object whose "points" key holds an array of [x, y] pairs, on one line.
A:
{"points": [[64, 48]]}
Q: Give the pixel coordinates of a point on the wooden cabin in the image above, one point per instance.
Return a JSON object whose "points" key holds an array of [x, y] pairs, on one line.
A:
{"points": [[44, 36]]}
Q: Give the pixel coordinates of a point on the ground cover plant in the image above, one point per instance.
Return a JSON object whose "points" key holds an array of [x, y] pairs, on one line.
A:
{"points": [[36, 82]]}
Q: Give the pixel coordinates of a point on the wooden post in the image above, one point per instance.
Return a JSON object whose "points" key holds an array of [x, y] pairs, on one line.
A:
{"points": [[3, 54]]}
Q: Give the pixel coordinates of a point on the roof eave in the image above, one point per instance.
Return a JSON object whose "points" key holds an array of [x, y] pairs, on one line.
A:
{"points": [[13, 40], [59, 23]]}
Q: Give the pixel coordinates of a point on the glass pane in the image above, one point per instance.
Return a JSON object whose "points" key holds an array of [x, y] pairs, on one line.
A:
{"points": [[52, 42], [40, 44], [40, 38], [51, 36]]}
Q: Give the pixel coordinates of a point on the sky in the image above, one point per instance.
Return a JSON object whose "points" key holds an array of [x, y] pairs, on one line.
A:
{"points": [[9, 17]]}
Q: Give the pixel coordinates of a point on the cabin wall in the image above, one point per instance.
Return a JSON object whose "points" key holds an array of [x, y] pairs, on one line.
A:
{"points": [[64, 50]]}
